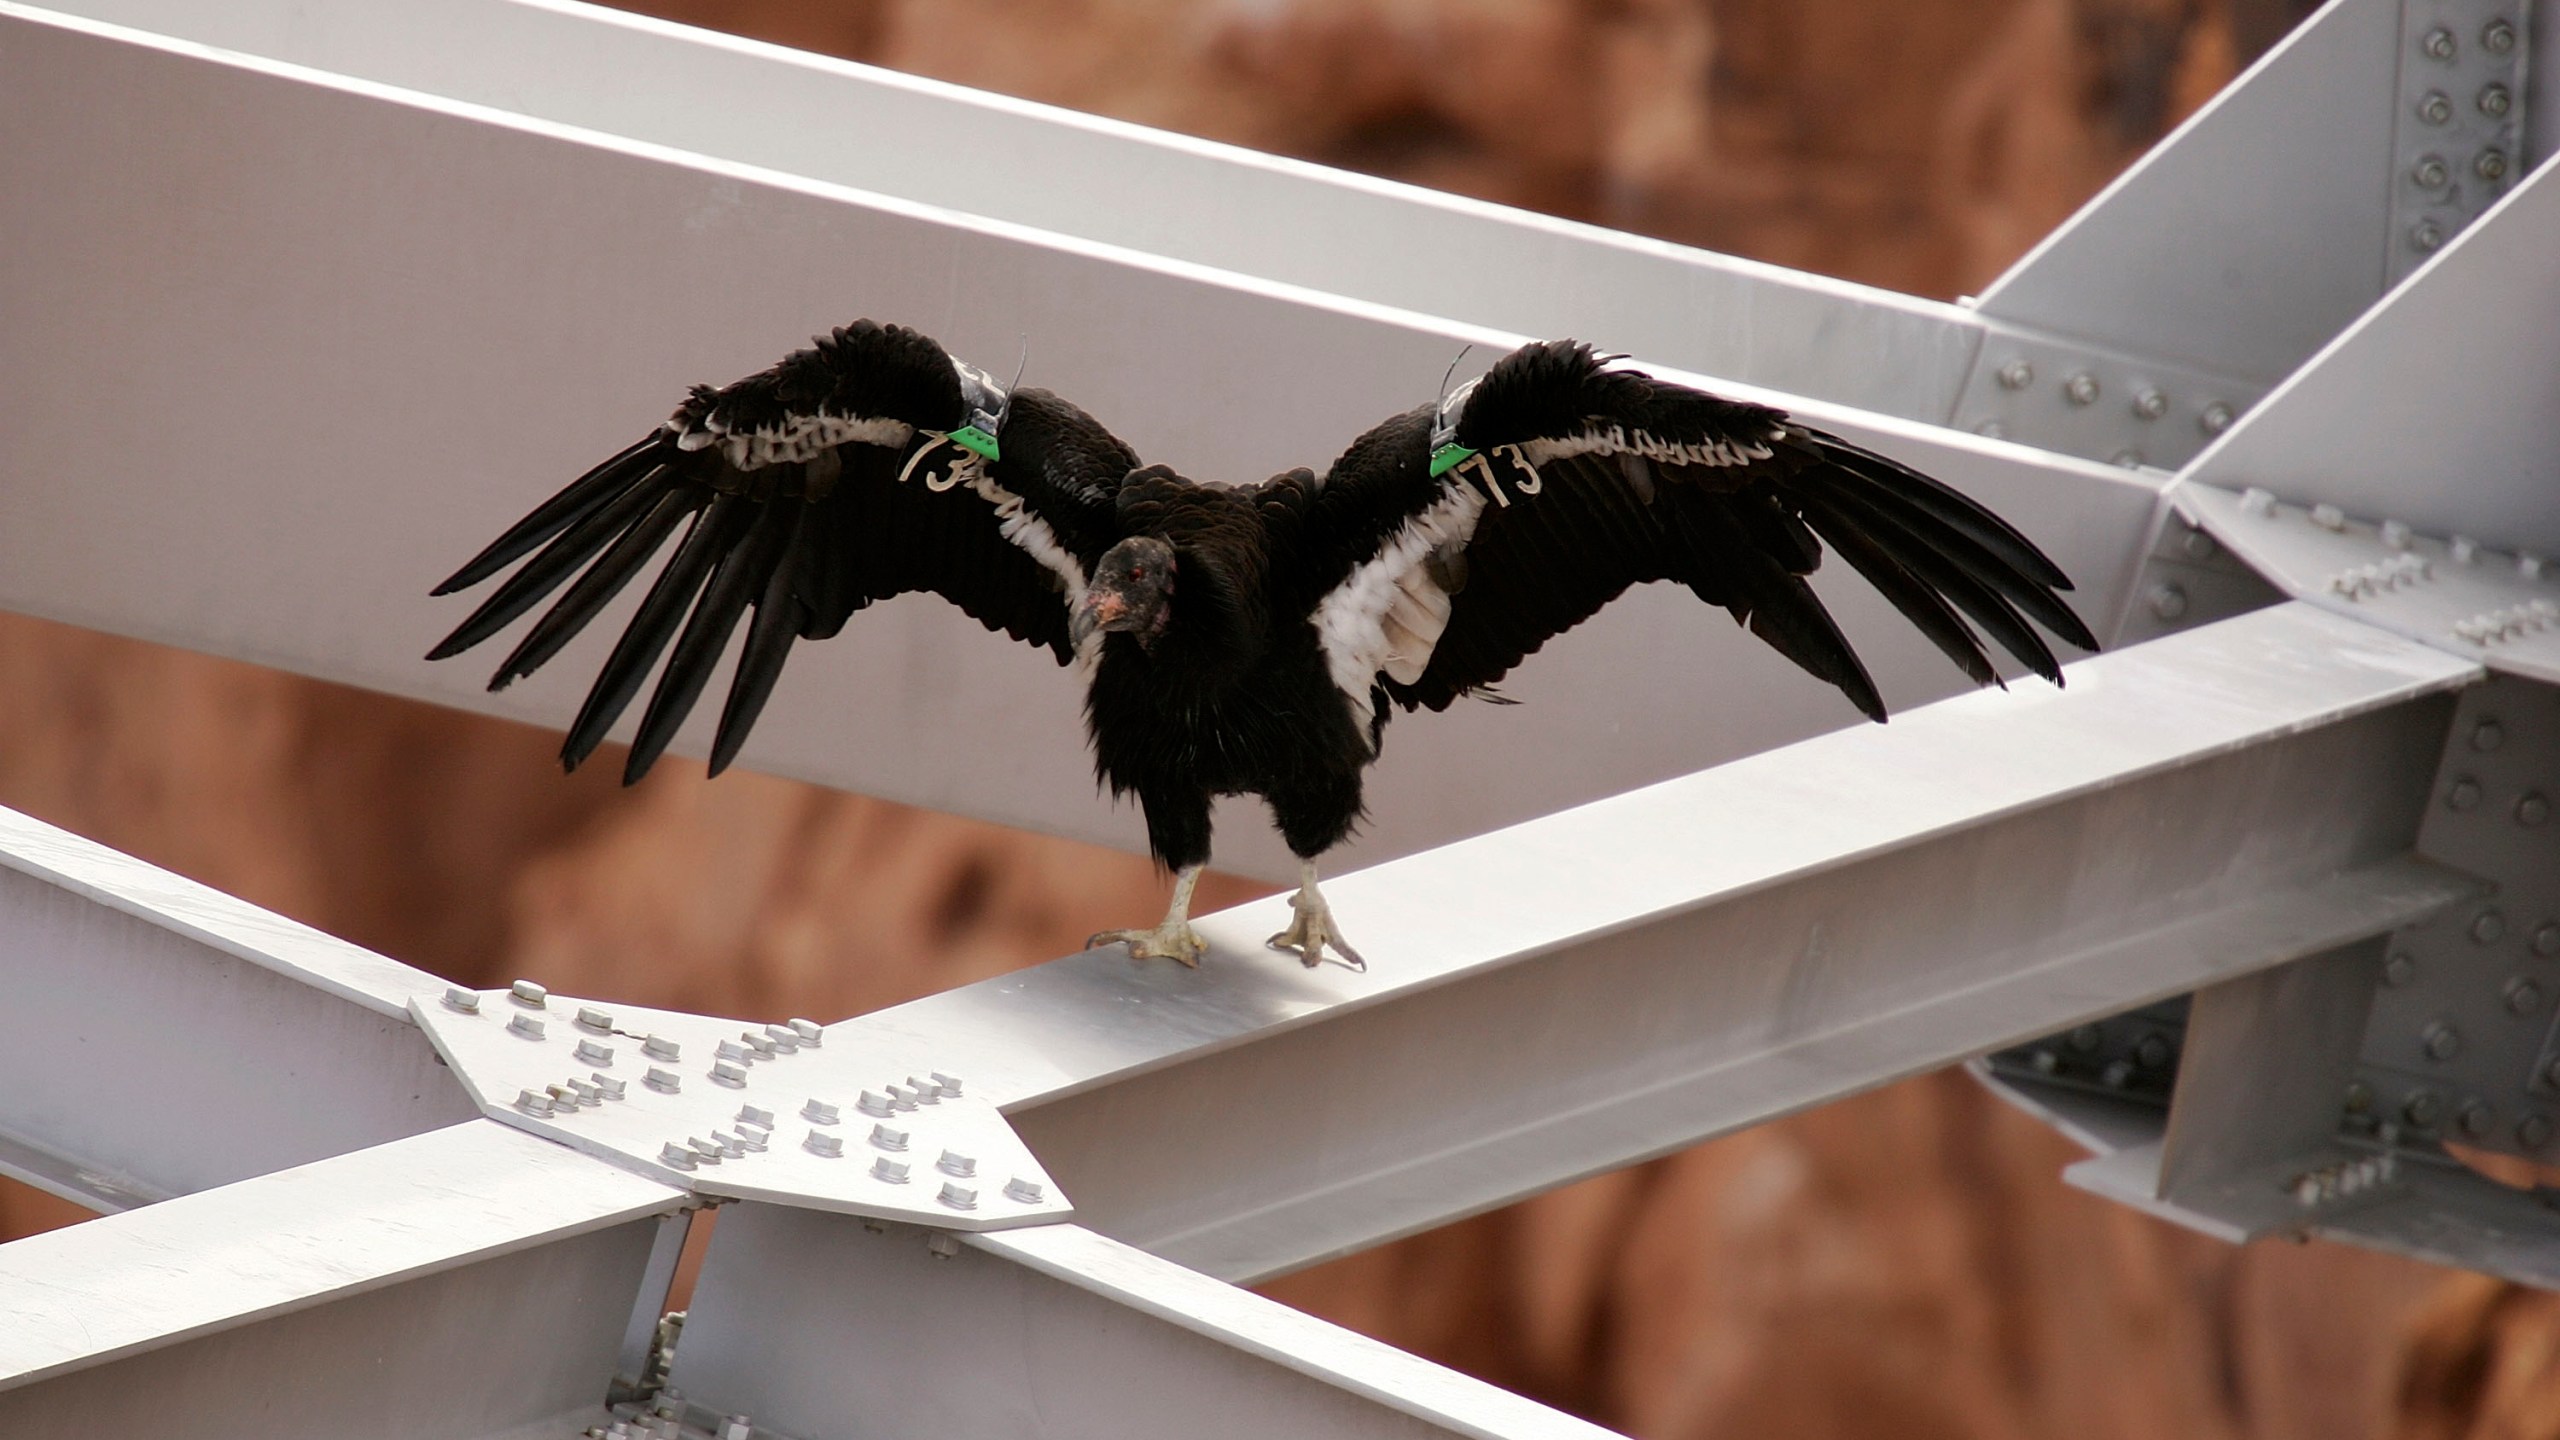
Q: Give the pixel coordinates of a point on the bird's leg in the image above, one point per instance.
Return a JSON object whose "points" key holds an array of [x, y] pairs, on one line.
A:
{"points": [[1172, 940], [1312, 929]]}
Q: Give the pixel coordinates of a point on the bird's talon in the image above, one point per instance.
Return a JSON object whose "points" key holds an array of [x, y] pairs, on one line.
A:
{"points": [[1165, 942]]}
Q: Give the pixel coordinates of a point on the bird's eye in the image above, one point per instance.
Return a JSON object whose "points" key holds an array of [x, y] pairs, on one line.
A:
{"points": [[1138, 572]]}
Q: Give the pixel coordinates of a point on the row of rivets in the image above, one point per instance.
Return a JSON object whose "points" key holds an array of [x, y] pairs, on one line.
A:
{"points": [[2347, 1177]]}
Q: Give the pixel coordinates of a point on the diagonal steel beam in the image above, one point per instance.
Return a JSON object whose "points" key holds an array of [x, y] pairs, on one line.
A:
{"points": [[1620, 980]]}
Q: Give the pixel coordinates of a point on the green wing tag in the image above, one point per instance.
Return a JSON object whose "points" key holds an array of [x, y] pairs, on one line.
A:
{"points": [[971, 438], [1445, 459]]}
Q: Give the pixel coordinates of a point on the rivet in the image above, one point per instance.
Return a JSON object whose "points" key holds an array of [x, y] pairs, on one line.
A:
{"points": [[465, 1001], [732, 1051], [763, 1046], [819, 1112], [958, 1196], [2438, 45], [941, 1246], [823, 1144], [926, 1091], [2017, 375], [2117, 1073], [591, 1053], [2443, 1042], [2399, 969], [2258, 502], [2328, 517], [2533, 1132], [872, 1102], [2498, 37], [2546, 939], [2426, 237], [2462, 794], [2197, 544], [2488, 735], [888, 1138], [2421, 1108], [2081, 388], [533, 1102], [2532, 810], [2435, 107], [2168, 601], [2495, 100], [749, 1138], [1992, 430], [736, 1427], [729, 1073], [729, 1146], [587, 1091], [703, 1149], [950, 1083], [525, 992], [526, 1026], [2150, 405], [2128, 458], [1027, 1192], [893, 1172], [2430, 173], [594, 1019], [783, 1038], [752, 1115], [900, 1099], [2488, 927], [2395, 535], [2215, 419], [2462, 549], [2529, 566], [2477, 1119], [611, 1088], [2524, 995], [811, 1033], [2491, 165], [2085, 1038], [2045, 1061], [2359, 1097], [659, 1047], [664, 1081], [955, 1163], [678, 1156], [2153, 1051]]}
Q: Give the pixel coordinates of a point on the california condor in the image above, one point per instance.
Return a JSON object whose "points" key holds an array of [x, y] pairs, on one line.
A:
{"points": [[1233, 639]]}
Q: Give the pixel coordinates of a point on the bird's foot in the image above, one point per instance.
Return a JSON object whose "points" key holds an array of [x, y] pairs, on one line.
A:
{"points": [[1312, 931], [1172, 940]]}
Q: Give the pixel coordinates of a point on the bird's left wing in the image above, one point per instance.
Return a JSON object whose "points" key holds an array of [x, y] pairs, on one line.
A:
{"points": [[1458, 540], [867, 466]]}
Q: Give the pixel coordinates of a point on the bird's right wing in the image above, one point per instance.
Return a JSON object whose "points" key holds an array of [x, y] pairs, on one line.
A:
{"points": [[866, 466]]}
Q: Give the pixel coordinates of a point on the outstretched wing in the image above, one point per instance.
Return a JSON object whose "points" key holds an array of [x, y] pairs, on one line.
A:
{"points": [[866, 466], [1466, 536]]}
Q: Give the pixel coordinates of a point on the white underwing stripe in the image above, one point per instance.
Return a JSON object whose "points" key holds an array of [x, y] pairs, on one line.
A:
{"points": [[1617, 440], [1387, 614], [1018, 523], [798, 437]]}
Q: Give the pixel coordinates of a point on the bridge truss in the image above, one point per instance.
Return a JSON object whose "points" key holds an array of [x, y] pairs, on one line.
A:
{"points": [[2264, 909]]}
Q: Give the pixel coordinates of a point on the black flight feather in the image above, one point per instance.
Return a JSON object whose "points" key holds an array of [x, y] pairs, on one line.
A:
{"points": [[596, 588], [544, 572], [556, 514], [651, 628]]}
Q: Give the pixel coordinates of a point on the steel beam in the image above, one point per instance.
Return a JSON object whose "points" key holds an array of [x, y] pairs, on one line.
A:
{"points": [[2440, 408], [823, 1328], [356, 1295], [277, 271], [1644, 972], [160, 1037]]}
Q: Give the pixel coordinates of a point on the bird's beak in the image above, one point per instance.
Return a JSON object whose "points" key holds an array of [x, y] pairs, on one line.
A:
{"points": [[1098, 611]]}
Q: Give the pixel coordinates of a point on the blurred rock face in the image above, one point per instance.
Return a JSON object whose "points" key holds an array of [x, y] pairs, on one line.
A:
{"points": [[1905, 1264]]}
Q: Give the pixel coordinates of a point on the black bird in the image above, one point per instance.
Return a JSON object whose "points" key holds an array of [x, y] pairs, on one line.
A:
{"points": [[1234, 639]]}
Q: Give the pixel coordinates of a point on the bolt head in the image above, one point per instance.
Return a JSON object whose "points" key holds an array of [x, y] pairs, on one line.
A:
{"points": [[2117, 1075], [2477, 1119], [2435, 107], [955, 1163], [2198, 545], [888, 1137], [2017, 375], [2438, 44], [872, 1102], [2085, 1038], [2081, 388], [958, 1196], [2524, 995], [677, 1156], [2422, 1108], [2153, 1052], [2430, 173], [823, 1145], [884, 1169], [2498, 37], [2359, 1097], [950, 1083], [534, 1102], [1027, 1192], [729, 1073], [2490, 165], [2533, 1131], [2328, 517], [461, 1001], [2169, 601], [2215, 418], [2488, 735], [811, 1033], [2045, 1061], [2399, 969], [1992, 430], [594, 1019], [2462, 794], [2443, 1042], [2546, 939], [751, 1115], [2488, 927], [525, 992], [526, 1027], [2150, 405], [2426, 237], [2532, 810], [659, 1047], [591, 1053], [819, 1112], [666, 1082]]}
